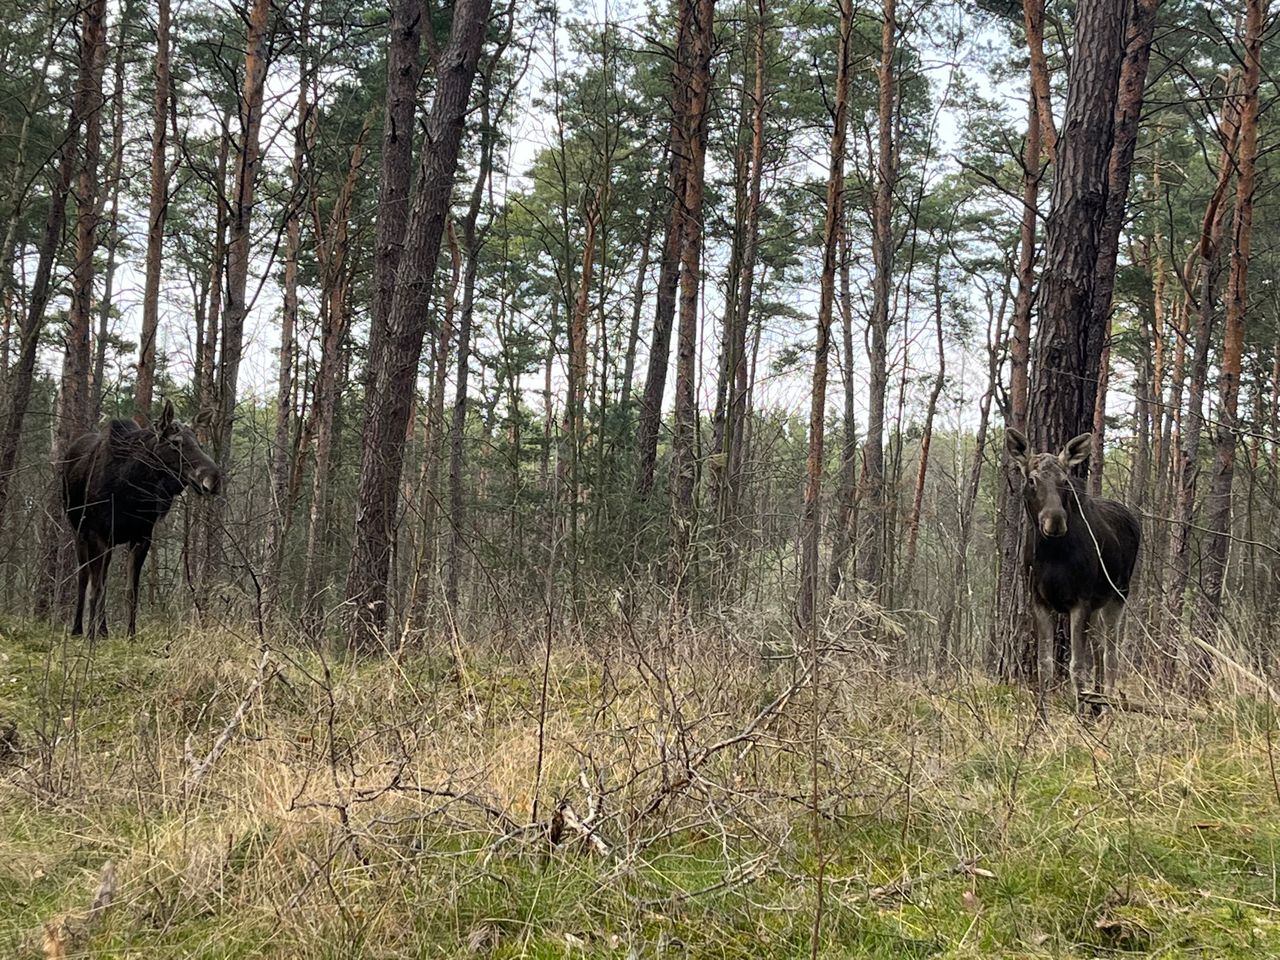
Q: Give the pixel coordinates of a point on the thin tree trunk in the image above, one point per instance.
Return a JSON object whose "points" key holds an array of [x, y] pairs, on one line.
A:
{"points": [[1033, 22], [32, 324], [726, 492], [1008, 653], [387, 410], [17, 181], [282, 504], [871, 553], [958, 584], [650, 421], [1218, 506], [433, 429], [473, 238], [637, 308], [1187, 468], [238, 256], [1096, 456], [334, 254], [809, 607], [73, 407], [844, 535], [114, 178], [157, 211], [926, 437]]}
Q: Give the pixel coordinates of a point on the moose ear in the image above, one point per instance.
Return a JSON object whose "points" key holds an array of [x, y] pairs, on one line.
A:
{"points": [[1016, 443], [204, 419], [166, 417], [1076, 450]]}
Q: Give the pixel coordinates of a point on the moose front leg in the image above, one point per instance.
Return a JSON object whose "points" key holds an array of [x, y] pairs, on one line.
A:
{"points": [[1044, 657]]}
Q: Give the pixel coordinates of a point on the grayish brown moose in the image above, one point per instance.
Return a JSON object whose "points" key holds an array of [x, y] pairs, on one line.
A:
{"points": [[116, 485], [1080, 554]]}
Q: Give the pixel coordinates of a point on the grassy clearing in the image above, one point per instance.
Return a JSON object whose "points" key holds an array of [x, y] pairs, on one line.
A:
{"points": [[387, 809]]}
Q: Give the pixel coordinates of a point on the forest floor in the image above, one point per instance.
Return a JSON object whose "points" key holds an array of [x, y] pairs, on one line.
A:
{"points": [[234, 804]]}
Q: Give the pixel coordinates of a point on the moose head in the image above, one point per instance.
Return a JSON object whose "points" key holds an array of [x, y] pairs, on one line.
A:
{"points": [[174, 449], [1046, 479]]}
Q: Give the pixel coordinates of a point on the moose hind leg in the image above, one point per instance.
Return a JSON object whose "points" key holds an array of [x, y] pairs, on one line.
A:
{"points": [[1079, 651], [1109, 618], [1044, 656], [101, 592], [97, 588], [82, 585]]}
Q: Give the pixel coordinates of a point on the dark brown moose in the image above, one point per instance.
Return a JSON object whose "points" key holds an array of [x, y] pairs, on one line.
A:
{"points": [[116, 485], [1080, 553]]}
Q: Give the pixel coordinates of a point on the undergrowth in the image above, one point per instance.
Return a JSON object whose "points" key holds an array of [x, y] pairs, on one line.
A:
{"points": [[302, 804]]}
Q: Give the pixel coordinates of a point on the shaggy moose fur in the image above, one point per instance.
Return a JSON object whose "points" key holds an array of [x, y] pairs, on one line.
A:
{"points": [[1080, 552], [116, 485]]}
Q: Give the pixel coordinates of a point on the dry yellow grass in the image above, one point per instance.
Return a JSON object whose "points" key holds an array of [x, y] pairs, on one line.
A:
{"points": [[302, 805]]}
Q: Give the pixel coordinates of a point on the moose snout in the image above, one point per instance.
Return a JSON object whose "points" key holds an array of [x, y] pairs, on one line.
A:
{"points": [[1053, 523], [209, 482]]}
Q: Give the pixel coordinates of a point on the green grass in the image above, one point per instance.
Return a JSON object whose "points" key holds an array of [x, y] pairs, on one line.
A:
{"points": [[952, 826]]}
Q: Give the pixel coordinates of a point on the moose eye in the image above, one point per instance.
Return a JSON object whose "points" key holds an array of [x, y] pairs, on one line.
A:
{"points": [[1031, 482]]}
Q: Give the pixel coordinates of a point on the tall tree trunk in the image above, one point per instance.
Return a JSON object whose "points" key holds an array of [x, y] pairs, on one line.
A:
{"points": [[1069, 342], [387, 409], [157, 211], [655, 383], [425, 577], [1218, 506], [238, 254], [207, 346], [1099, 418], [73, 399], [404, 43], [1128, 109], [871, 552], [684, 467], [572, 436], [73, 407], [844, 536], [810, 603]]}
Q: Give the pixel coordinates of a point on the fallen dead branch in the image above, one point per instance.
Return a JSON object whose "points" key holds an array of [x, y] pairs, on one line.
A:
{"points": [[901, 889], [199, 769], [1124, 704]]}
